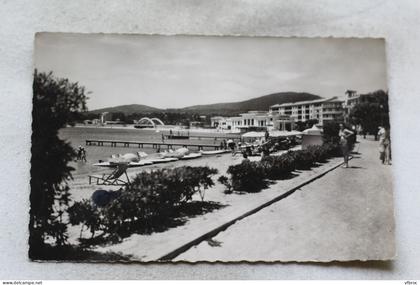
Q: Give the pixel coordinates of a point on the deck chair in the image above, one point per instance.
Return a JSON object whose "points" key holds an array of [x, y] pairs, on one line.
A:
{"points": [[114, 177]]}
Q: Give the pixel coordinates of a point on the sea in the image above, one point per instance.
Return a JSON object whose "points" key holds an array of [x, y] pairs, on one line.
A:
{"points": [[78, 135]]}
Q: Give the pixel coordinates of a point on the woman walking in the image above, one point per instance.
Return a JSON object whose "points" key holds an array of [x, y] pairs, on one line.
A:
{"points": [[345, 135], [387, 147]]}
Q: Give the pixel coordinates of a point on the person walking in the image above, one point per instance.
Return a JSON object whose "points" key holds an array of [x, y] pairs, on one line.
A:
{"points": [[387, 147], [345, 135], [381, 137]]}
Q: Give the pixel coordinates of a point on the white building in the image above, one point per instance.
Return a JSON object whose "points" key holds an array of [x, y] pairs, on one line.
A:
{"points": [[325, 109], [253, 119], [105, 117]]}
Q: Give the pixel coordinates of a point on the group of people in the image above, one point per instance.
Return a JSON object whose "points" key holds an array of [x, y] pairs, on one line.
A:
{"points": [[81, 154], [384, 144]]}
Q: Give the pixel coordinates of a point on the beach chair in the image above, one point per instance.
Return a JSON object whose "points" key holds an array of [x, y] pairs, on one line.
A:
{"points": [[112, 179]]}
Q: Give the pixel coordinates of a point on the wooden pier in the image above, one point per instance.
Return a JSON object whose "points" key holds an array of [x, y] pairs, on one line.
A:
{"points": [[198, 137], [156, 145]]}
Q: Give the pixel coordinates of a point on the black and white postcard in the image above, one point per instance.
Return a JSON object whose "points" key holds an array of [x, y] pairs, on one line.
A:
{"points": [[210, 148]]}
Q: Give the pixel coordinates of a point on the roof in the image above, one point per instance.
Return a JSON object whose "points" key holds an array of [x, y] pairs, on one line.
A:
{"points": [[332, 99]]}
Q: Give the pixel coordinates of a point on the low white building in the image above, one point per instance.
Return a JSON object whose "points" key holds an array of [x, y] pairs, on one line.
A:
{"points": [[253, 119]]}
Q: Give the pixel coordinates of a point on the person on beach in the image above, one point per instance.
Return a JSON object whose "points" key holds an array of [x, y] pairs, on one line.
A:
{"points": [[345, 135], [81, 154], [83, 158], [245, 156], [231, 145]]}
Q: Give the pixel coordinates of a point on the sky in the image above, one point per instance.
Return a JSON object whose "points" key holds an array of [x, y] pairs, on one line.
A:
{"points": [[180, 71]]}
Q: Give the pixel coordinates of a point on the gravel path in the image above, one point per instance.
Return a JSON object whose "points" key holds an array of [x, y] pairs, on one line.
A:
{"points": [[345, 215]]}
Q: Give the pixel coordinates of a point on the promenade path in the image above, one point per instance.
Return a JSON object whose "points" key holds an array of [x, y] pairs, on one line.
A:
{"points": [[345, 215]]}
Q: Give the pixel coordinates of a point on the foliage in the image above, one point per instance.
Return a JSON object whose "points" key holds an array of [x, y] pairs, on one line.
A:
{"points": [[56, 103], [302, 159], [333, 150], [330, 132], [252, 176], [247, 176], [319, 153], [277, 167], [150, 198], [301, 126], [225, 181], [371, 112], [85, 213]]}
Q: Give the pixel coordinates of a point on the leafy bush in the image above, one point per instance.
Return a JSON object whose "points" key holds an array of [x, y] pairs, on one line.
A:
{"points": [[85, 213], [247, 176], [252, 176], [277, 167], [330, 132], [333, 150], [56, 103], [151, 198], [302, 159], [225, 181], [320, 153]]}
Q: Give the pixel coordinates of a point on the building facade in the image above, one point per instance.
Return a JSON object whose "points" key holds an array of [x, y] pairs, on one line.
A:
{"points": [[322, 110], [253, 120]]}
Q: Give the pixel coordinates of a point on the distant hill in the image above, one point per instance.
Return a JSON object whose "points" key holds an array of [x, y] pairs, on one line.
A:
{"points": [[128, 109], [259, 104]]}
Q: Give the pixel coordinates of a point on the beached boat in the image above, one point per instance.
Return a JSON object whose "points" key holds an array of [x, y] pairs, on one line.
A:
{"points": [[162, 160], [191, 156]]}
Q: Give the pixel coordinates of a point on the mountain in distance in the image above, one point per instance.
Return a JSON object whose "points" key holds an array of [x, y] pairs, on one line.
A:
{"points": [[262, 103], [258, 104], [128, 109]]}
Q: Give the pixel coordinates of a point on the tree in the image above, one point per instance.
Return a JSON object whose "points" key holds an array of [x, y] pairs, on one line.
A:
{"points": [[330, 132], [371, 112], [56, 103]]}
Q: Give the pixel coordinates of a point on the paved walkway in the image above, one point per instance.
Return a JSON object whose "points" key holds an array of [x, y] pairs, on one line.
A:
{"points": [[345, 215]]}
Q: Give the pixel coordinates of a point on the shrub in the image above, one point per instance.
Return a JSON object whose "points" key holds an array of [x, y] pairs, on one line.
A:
{"points": [[333, 150], [251, 176], [85, 213], [247, 176], [319, 153], [277, 167], [330, 132], [225, 181], [151, 198], [302, 159]]}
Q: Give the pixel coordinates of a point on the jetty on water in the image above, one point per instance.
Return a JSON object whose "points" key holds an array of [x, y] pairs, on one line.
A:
{"points": [[142, 144]]}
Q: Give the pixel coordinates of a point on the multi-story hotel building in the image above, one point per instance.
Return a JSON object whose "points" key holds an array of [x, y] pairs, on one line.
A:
{"points": [[325, 109]]}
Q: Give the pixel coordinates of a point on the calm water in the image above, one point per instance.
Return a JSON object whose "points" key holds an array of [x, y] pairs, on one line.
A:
{"points": [[78, 135]]}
